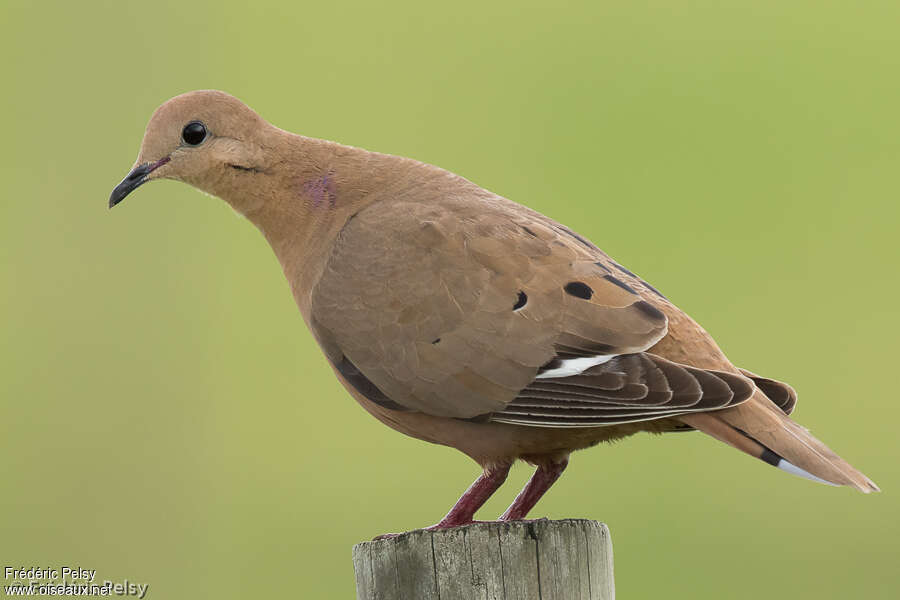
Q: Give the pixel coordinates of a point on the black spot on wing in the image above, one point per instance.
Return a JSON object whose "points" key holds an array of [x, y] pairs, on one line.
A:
{"points": [[528, 231], [649, 310], [520, 302], [602, 266], [619, 283], [579, 289], [364, 386], [243, 168]]}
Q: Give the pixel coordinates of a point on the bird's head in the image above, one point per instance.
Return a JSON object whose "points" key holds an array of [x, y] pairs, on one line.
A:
{"points": [[200, 138]]}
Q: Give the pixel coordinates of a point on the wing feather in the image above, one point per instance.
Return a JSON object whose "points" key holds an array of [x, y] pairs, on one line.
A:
{"points": [[654, 388]]}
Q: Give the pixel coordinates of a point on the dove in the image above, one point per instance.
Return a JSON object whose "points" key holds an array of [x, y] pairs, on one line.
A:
{"points": [[461, 318]]}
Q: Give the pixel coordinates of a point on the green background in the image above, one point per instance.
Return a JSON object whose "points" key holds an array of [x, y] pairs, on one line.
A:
{"points": [[167, 418]]}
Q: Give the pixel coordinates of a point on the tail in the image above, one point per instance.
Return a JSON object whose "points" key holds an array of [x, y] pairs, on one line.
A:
{"points": [[762, 430]]}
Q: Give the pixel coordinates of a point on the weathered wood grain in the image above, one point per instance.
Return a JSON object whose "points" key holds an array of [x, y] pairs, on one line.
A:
{"points": [[569, 559]]}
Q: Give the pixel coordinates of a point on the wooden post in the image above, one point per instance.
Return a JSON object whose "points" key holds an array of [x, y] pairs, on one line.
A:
{"points": [[519, 560]]}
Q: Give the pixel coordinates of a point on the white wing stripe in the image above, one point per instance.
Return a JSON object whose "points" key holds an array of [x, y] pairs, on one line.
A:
{"points": [[575, 366]]}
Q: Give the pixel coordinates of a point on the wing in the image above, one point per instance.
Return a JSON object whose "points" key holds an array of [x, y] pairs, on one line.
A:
{"points": [[454, 309], [628, 388]]}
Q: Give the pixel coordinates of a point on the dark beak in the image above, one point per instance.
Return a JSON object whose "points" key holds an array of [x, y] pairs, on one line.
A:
{"points": [[134, 180]]}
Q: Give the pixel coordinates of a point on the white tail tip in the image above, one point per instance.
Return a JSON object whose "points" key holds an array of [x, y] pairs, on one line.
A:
{"points": [[795, 470]]}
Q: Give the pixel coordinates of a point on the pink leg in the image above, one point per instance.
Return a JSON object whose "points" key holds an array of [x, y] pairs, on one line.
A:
{"points": [[540, 482], [474, 497]]}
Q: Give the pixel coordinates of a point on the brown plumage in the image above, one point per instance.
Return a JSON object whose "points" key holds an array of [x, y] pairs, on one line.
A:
{"points": [[459, 317]]}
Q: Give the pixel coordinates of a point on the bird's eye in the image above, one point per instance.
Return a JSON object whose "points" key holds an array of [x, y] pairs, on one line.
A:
{"points": [[194, 133]]}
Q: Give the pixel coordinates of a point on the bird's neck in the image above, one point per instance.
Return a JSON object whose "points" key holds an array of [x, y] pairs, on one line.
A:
{"points": [[302, 199]]}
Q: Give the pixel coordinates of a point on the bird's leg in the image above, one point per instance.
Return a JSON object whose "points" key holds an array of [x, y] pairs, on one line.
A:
{"points": [[544, 476], [474, 497]]}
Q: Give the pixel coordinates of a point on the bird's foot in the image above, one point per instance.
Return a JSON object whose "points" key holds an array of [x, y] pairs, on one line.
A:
{"points": [[451, 524], [445, 524], [502, 520]]}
